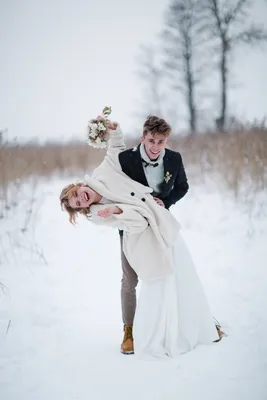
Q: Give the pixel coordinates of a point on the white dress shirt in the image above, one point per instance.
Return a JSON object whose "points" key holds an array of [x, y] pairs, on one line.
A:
{"points": [[154, 174]]}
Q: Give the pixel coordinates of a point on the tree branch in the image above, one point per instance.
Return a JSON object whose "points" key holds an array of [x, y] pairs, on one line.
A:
{"points": [[234, 12], [251, 35]]}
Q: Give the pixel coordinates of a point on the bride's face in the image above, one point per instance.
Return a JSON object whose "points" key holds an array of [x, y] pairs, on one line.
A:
{"points": [[83, 197]]}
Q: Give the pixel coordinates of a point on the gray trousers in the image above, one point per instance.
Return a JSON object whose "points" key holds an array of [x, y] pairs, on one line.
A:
{"points": [[128, 290]]}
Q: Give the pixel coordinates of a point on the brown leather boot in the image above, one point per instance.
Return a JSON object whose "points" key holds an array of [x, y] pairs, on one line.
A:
{"points": [[221, 333], [127, 346]]}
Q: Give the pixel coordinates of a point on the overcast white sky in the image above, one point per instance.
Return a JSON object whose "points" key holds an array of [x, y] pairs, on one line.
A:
{"points": [[62, 61]]}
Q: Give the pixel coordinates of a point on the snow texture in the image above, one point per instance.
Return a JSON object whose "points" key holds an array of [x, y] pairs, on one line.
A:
{"points": [[60, 324]]}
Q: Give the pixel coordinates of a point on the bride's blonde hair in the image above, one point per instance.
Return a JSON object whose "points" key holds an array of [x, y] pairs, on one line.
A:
{"points": [[65, 194]]}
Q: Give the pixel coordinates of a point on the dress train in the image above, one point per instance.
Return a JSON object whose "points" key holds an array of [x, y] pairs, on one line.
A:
{"points": [[173, 314]]}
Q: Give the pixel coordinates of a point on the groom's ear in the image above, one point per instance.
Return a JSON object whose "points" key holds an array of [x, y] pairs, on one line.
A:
{"points": [[142, 139]]}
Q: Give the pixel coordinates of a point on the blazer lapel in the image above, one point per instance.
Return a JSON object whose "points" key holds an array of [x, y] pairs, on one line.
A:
{"points": [[139, 173], [167, 163]]}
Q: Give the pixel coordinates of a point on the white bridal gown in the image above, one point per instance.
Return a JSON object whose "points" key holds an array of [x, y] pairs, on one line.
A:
{"points": [[172, 314]]}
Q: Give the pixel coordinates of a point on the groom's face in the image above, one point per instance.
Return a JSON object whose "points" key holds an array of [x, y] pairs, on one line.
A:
{"points": [[154, 144]]}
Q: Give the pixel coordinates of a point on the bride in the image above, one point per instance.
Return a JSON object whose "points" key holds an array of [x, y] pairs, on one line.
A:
{"points": [[172, 315]]}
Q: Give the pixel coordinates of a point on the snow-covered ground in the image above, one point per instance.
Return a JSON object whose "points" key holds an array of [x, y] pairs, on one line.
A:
{"points": [[60, 324]]}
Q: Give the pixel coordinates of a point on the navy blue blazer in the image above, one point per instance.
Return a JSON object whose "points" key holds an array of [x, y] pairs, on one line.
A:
{"points": [[171, 190]]}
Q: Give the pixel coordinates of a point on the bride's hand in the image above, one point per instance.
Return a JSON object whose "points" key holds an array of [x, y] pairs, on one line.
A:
{"points": [[112, 125], [107, 212]]}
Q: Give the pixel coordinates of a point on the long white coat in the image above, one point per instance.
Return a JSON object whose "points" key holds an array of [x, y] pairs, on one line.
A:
{"points": [[149, 229]]}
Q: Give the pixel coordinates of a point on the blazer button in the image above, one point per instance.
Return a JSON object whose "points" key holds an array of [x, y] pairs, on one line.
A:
{"points": [[132, 193], [143, 199]]}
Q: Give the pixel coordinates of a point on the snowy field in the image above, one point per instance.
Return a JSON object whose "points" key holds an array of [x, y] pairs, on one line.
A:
{"points": [[60, 323]]}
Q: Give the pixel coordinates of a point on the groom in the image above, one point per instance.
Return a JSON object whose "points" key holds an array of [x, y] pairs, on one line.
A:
{"points": [[151, 164]]}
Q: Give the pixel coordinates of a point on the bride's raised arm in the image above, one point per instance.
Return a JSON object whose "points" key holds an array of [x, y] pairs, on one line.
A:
{"points": [[116, 142]]}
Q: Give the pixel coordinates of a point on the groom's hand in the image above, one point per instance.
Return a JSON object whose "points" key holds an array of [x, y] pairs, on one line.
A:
{"points": [[160, 202]]}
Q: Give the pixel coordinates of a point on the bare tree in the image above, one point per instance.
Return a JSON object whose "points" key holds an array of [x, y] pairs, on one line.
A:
{"points": [[156, 97], [150, 72], [228, 23], [183, 39]]}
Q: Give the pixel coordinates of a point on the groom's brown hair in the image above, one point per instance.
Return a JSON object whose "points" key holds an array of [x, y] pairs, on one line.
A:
{"points": [[156, 125]]}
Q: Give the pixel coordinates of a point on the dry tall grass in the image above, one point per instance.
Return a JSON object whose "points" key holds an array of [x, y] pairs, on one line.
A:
{"points": [[235, 161], [237, 158]]}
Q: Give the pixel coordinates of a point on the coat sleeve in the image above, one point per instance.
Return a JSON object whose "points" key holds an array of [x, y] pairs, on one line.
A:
{"points": [[116, 142], [180, 186]]}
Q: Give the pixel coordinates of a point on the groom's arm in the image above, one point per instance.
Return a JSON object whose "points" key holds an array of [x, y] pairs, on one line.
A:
{"points": [[180, 186]]}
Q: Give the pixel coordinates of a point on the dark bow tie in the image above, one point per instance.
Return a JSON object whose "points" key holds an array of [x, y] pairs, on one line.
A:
{"points": [[148, 163]]}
